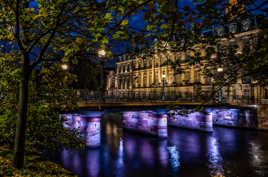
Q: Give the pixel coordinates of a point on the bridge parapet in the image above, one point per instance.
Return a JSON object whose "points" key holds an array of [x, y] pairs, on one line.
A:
{"points": [[86, 126], [148, 122]]}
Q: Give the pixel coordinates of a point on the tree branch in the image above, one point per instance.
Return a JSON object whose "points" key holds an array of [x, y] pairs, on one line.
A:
{"points": [[37, 40], [127, 14], [40, 57], [17, 32]]}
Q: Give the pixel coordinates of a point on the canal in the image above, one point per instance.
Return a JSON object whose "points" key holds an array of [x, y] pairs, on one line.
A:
{"points": [[224, 152]]}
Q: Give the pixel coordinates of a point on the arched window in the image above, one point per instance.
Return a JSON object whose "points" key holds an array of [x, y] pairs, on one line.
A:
{"points": [[197, 75], [150, 63], [125, 68], [128, 68], [119, 84], [128, 83]]}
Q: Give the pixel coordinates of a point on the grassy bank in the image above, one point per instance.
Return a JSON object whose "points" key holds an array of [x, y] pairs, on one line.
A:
{"points": [[35, 166]]}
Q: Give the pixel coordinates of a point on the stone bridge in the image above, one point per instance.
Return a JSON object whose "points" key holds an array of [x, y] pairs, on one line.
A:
{"points": [[154, 118]]}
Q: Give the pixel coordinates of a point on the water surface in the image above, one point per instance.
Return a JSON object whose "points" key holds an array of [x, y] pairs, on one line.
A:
{"points": [[225, 152]]}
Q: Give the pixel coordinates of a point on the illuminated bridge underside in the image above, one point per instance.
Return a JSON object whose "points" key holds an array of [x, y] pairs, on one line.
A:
{"points": [[241, 118], [155, 122]]}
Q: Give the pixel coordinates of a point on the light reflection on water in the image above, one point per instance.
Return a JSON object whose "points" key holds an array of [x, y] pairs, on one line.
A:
{"points": [[225, 152], [214, 157], [174, 158]]}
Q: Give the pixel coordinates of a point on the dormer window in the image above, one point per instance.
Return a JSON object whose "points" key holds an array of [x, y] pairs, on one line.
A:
{"points": [[246, 24], [220, 31], [233, 28]]}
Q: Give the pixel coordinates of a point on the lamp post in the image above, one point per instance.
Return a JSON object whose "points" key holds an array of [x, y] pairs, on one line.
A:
{"points": [[101, 54], [163, 87], [220, 71]]}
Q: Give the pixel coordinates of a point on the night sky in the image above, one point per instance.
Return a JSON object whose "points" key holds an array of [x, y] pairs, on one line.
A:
{"points": [[136, 22]]}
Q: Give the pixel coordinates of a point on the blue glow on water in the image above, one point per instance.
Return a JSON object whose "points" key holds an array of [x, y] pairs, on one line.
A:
{"points": [[184, 153], [214, 157], [174, 158]]}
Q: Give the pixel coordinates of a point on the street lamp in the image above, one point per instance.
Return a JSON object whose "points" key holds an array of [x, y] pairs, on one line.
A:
{"points": [[64, 66], [163, 87], [102, 54], [220, 70]]}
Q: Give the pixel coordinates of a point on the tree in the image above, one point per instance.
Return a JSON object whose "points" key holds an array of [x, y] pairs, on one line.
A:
{"points": [[47, 95], [36, 32], [32, 31]]}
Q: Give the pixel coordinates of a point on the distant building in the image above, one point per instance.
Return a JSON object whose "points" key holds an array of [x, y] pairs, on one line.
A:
{"points": [[141, 76]]}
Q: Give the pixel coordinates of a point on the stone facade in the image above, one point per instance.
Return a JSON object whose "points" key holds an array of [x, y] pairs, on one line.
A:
{"points": [[140, 76]]}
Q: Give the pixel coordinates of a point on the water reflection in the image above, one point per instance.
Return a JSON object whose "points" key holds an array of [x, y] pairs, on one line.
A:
{"points": [[93, 162], [214, 157], [258, 157], [174, 158], [66, 158], [163, 153], [113, 137], [226, 152], [77, 165]]}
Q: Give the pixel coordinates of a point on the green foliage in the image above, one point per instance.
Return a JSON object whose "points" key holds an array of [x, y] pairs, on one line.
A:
{"points": [[35, 165], [34, 43], [255, 61], [48, 97], [88, 74]]}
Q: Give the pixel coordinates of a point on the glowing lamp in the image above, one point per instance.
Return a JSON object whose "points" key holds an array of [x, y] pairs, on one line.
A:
{"points": [[102, 53], [64, 66], [220, 69]]}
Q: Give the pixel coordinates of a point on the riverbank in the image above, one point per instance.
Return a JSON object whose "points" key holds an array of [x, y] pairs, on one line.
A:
{"points": [[34, 166]]}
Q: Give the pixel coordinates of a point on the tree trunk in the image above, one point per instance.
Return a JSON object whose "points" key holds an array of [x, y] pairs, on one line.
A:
{"points": [[102, 89], [22, 117]]}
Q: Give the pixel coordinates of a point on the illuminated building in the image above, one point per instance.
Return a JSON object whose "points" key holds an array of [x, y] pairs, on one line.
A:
{"points": [[139, 76]]}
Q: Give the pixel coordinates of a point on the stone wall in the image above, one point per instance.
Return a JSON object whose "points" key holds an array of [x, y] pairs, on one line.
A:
{"points": [[194, 120], [86, 126], [148, 122], [263, 116]]}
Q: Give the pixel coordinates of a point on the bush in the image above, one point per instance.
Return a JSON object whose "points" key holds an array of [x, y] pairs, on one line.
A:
{"points": [[47, 99], [34, 166]]}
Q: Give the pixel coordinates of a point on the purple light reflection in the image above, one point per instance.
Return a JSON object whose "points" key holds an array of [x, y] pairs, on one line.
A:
{"points": [[93, 163], [77, 165], [163, 154], [120, 161], [66, 158], [131, 147], [146, 151]]}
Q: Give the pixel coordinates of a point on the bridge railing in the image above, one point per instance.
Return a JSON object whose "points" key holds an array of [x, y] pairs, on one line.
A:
{"points": [[90, 96], [127, 96]]}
